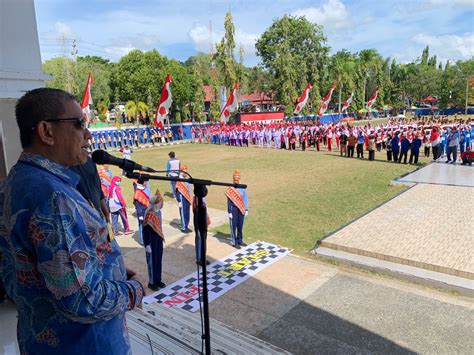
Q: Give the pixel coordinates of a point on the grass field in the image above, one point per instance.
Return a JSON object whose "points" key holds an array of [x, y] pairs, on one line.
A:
{"points": [[295, 198]]}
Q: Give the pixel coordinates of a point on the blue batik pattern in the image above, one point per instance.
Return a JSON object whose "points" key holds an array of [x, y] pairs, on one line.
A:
{"points": [[67, 281]]}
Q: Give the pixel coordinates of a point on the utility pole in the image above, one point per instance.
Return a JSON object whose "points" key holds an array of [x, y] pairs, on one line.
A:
{"points": [[74, 50], [66, 65], [467, 93]]}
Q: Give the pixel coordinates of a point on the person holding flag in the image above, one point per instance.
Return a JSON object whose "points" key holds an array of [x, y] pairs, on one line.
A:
{"points": [[185, 200], [238, 209]]}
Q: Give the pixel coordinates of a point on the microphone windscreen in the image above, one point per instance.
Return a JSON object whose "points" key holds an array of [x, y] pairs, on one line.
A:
{"points": [[100, 157]]}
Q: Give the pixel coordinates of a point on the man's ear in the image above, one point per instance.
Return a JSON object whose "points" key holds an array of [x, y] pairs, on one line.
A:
{"points": [[45, 133]]}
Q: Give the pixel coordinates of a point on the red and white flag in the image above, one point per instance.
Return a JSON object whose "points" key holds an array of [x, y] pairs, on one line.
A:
{"points": [[166, 100], [372, 99], [230, 105], [87, 98], [303, 99], [326, 100], [347, 103]]}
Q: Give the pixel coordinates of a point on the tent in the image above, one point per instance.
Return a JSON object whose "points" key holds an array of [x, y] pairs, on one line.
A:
{"points": [[430, 99]]}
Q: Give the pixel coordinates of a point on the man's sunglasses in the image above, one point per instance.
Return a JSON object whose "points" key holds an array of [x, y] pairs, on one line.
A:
{"points": [[78, 122]]}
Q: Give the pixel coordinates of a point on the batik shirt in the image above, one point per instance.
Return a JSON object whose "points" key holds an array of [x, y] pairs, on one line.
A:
{"points": [[67, 281]]}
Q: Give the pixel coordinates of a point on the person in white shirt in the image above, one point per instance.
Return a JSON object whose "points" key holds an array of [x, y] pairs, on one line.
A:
{"points": [[172, 170]]}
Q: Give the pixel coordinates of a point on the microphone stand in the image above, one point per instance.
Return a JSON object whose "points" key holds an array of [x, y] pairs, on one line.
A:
{"points": [[200, 191]]}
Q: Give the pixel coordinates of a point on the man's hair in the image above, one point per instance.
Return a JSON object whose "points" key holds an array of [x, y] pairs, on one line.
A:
{"points": [[38, 105]]}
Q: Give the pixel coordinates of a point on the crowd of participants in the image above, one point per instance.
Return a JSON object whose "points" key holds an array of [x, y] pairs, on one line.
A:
{"points": [[133, 137], [401, 139]]}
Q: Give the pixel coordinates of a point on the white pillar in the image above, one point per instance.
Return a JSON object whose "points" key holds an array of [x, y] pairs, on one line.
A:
{"points": [[20, 69]]}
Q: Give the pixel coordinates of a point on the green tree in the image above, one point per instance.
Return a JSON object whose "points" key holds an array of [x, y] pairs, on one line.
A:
{"points": [[294, 51], [72, 76], [136, 109], [425, 54], [197, 104], [369, 67], [224, 57], [343, 72]]}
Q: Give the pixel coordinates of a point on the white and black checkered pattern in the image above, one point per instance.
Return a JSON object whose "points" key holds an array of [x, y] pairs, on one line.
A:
{"points": [[218, 282]]}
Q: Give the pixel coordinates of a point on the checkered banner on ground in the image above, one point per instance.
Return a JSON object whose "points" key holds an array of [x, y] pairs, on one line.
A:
{"points": [[223, 275]]}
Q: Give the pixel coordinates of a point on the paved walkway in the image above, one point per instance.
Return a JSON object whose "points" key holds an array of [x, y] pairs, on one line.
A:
{"points": [[443, 174], [307, 306], [429, 227]]}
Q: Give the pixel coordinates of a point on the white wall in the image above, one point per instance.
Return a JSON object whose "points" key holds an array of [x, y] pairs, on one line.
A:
{"points": [[20, 66]]}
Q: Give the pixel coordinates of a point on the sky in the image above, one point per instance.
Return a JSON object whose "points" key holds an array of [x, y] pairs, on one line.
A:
{"points": [[398, 29]]}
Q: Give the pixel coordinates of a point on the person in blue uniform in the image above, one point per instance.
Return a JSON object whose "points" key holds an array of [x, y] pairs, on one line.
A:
{"points": [[184, 197], [415, 149], [153, 239], [237, 207], [404, 148], [141, 200]]}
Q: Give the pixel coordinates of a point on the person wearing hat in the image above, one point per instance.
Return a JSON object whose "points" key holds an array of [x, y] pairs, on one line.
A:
{"points": [[237, 207], [172, 170], [141, 201], [153, 239], [184, 197]]}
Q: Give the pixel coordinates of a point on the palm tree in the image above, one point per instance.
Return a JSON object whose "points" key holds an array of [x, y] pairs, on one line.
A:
{"points": [[369, 62], [343, 70], [136, 108]]}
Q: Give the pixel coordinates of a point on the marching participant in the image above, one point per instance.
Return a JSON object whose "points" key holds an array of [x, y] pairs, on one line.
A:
{"points": [[185, 200], [141, 200], [153, 239], [237, 206]]}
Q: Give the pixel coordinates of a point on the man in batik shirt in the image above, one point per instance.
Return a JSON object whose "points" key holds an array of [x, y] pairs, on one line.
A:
{"points": [[68, 281]]}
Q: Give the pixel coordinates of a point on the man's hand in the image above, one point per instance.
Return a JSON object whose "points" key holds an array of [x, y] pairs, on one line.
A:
{"points": [[230, 215], [130, 273]]}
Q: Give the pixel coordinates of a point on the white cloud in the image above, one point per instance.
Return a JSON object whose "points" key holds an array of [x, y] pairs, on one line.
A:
{"points": [[118, 51], [448, 46], [202, 39], [332, 15], [247, 40], [63, 30], [461, 3], [60, 31]]}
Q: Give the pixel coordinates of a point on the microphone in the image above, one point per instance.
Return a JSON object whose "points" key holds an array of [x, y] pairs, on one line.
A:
{"points": [[102, 157]]}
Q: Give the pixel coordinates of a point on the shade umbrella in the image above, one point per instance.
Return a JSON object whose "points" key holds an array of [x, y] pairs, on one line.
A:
{"points": [[430, 99], [347, 119], [387, 107], [363, 110]]}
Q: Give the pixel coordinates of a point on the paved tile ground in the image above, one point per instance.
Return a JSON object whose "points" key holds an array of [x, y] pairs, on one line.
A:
{"points": [[348, 315], [428, 226], [444, 174]]}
